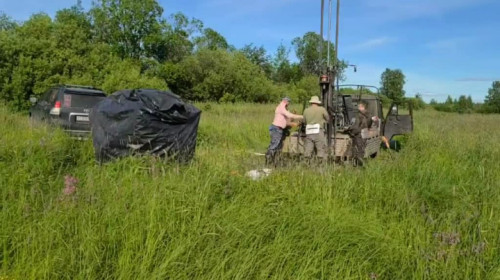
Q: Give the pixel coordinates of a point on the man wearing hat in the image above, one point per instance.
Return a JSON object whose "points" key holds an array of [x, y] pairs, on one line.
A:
{"points": [[315, 117], [281, 120]]}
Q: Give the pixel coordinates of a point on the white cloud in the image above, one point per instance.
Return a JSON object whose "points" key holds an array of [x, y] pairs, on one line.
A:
{"points": [[371, 44], [449, 44]]}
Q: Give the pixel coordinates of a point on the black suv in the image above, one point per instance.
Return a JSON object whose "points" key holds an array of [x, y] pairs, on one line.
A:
{"points": [[67, 106]]}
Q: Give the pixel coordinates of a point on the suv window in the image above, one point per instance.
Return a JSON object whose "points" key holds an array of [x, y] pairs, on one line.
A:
{"points": [[82, 99], [50, 95], [53, 95]]}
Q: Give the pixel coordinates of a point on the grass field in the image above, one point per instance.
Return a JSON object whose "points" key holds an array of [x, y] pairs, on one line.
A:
{"points": [[430, 211]]}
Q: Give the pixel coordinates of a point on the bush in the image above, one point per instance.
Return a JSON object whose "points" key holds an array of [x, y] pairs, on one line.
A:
{"points": [[218, 75], [417, 103], [126, 74]]}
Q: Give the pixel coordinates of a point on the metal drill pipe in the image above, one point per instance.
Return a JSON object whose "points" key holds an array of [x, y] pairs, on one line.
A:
{"points": [[321, 36]]}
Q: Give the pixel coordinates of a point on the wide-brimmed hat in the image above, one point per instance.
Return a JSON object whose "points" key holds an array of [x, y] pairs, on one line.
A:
{"points": [[315, 100], [286, 98]]}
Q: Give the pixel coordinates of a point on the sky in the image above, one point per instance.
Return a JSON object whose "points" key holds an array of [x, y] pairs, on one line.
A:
{"points": [[444, 47]]}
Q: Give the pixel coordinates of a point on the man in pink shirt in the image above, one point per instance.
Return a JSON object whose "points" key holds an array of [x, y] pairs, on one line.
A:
{"points": [[281, 118]]}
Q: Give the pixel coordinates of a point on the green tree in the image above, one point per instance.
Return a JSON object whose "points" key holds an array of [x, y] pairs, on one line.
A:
{"points": [[211, 39], [73, 37], [392, 84], [9, 52], [306, 87], [492, 100], [470, 103], [176, 39], [463, 105], [127, 25], [126, 74], [6, 22], [418, 102], [307, 50], [259, 57], [283, 70], [449, 100], [218, 75], [29, 51]]}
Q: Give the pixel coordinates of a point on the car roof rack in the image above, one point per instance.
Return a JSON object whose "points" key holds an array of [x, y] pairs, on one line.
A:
{"points": [[79, 86]]}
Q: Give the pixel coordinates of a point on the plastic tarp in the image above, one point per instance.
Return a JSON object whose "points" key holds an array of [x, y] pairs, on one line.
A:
{"points": [[144, 121]]}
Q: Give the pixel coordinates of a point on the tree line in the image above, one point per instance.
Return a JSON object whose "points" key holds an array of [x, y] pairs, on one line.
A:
{"points": [[119, 44], [392, 89], [464, 104]]}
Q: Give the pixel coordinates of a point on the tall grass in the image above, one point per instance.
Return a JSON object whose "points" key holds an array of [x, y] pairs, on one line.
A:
{"points": [[430, 211]]}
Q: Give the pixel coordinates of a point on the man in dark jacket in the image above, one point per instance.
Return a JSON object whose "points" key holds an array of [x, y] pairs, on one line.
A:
{"points": [[364, 121]]}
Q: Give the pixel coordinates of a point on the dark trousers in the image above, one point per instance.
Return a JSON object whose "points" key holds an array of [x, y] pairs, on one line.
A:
{"points": [[358, 147], [277, 136]]}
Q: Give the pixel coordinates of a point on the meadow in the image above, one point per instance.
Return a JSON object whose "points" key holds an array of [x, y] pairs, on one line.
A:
{"points": [[429, 211]]}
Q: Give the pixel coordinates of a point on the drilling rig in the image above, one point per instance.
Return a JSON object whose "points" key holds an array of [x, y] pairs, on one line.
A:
{"points": [[342, 108]]}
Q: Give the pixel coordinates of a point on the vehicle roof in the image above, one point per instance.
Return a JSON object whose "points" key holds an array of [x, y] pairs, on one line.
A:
{"points": [[84, 90], [366, 97], [369, 97]]}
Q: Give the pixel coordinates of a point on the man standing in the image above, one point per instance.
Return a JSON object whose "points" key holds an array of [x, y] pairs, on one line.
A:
{"points": [[364, 121], [315, 117], [281, 118]]}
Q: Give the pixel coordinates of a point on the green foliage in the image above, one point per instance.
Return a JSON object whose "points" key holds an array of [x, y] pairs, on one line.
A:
{"points": [[175, 42], [284, 70], [259, 57], [126, 74], [126, 43], [354, 91], [42, 52], [461, 105], [305, 88], [307, 50], [127, 25], [464, 104], [492, 101], [6, 22], [219, 75], [449, 100], [417, 102], [25, 67], [392, 83], [212, 40]]}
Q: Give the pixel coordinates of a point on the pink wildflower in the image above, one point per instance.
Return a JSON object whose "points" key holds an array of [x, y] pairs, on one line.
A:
{"points": [[69, 185]]}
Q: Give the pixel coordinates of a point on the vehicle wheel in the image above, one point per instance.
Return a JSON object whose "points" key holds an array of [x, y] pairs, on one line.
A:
{"points": [[374, 155]]}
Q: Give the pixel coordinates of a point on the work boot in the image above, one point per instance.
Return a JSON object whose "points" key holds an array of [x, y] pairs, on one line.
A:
{"points": [[358, 162], [308, 161], [272, 159], [269, 159]]}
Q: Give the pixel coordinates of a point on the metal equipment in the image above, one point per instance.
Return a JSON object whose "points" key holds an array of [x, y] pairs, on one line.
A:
{"points": [[341, 105]]}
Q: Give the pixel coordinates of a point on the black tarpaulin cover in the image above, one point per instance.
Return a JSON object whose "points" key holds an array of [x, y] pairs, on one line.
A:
{"points": [[144, 121]]}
